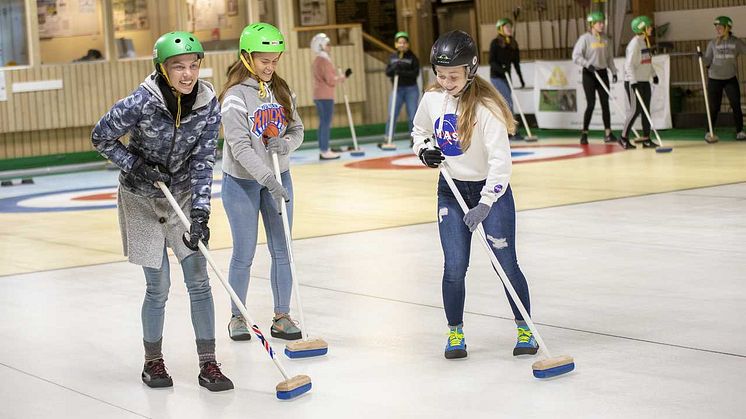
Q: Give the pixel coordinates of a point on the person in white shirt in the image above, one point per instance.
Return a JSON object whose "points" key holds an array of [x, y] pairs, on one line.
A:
{"points": [[474, 141]]}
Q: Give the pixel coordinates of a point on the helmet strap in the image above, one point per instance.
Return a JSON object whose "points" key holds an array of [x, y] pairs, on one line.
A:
{"points": [[250, 67]]}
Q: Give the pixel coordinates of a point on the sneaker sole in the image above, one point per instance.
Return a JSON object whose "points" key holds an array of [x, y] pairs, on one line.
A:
{"points": [[241, 337], [525, 351], [216, 386], [159, 383], [286, 336], [455, 354]]}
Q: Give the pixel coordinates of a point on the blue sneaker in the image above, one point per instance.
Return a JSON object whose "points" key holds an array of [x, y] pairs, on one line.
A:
{"points": [[456, 345], [526, 344]]}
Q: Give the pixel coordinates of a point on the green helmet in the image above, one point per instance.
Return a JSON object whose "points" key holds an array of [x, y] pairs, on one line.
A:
{"points": [[176, 43], [401, 34], [261, 37], [640, 23], [502, 22], [594, 17], [723, 21]]}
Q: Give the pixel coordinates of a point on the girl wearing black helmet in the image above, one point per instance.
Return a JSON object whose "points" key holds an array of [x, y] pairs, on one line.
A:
{"points": [[721, 58], [504, 53], [474, 139]]}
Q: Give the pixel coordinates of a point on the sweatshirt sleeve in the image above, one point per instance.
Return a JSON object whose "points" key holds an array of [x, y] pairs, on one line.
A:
{"points": [[740, 46], [631, 58], [497, 150], [202, 160], [709, 54], [578, 53], [294, 131], [237, 132], [422, 125], [610, 56], [117, 122]]}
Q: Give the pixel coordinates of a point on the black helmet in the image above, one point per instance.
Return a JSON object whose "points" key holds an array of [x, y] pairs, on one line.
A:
{"points": [[454, 49]]}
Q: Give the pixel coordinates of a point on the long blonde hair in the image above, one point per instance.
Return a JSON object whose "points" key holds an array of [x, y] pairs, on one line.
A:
{"points": [[479, 92], [238, 72]]}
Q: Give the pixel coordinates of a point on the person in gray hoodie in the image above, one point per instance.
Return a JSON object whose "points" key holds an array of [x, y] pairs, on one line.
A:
{"points": [[593, 52], [638, 70], [721, 58], [172, 119], [260, 117]]}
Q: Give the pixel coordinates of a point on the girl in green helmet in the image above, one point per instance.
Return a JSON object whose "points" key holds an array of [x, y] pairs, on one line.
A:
{"points": [[404, 64], [260, 117], [504, 53], [173, 120], [721, 58]]}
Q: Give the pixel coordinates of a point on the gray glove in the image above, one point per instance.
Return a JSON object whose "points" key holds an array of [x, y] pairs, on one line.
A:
{"points": [[476, 215], [276, 189], [278, 145]]}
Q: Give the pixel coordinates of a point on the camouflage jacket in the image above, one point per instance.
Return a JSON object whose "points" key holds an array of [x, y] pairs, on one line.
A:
{"points": [[187, 152]]}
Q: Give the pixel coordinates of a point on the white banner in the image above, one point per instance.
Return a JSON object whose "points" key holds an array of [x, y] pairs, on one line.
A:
{"points": [[3, 94], [560, 100]]}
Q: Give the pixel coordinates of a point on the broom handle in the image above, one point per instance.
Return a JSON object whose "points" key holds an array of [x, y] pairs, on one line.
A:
{"points": [[647, 115], [393, 105], [616, 105], [704, 88], [349, 114], [289, 245], [518, 105], [226, 285], [495, 263]]}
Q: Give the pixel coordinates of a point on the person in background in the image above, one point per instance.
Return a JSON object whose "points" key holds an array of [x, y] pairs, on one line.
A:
{"points": [[403, 63], [325, 78], [504, 53], [721, 58], [638, 70]]}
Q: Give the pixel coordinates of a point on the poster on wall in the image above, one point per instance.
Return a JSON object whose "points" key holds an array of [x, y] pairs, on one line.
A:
{"points": [[130, 15], [313, 12], [206, 14], [3, 94], [62, 18], [560, 100]]}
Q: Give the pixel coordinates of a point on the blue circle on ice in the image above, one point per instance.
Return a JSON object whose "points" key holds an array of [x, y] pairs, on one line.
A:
{"points": [[448, 138]]}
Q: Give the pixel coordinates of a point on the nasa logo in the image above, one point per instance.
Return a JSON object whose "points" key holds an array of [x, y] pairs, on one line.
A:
{"points": [[448, 138], [269, 117]]}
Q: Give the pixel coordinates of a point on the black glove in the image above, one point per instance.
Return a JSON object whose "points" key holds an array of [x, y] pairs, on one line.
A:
{"points": [[614, 79], [149, 173], [348, 73], [655, 79], [198, 231], [591, 68], [431, 157]]}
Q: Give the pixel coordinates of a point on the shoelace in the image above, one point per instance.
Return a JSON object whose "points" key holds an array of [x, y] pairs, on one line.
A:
{"points": [[455, 338], [284, 316], [524, 336], [213, 370], [157, 368]]}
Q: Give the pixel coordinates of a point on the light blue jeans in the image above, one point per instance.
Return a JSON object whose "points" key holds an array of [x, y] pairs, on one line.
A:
{"points": [[502, 87], [407, 95], [325, 108], [244, 200], [158, 282]]}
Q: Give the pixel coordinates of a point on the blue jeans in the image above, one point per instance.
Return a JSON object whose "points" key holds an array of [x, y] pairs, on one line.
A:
{"points": [[408, 95], [325, 108], [455, 239], [243, 200], [502, 87], [158, 281]]}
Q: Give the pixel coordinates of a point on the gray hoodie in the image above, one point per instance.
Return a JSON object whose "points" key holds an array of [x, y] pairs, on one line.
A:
{"points": [[595, 51], [638, 62], [246, 118], [721, 57]]}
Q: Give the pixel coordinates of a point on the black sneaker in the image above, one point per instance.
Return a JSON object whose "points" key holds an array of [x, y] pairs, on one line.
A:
{"points": [[649, 144], [212, 379], [584, 138], [626, 144], [154, 374], [610, 138]]}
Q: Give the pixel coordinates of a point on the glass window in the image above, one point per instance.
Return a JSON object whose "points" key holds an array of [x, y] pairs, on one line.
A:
{"points": [[135, 28], [13, 42], [70, 30], [217, 23]]}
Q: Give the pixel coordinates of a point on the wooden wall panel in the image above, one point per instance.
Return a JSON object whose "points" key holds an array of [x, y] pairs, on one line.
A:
{"points": [[665, 5]]}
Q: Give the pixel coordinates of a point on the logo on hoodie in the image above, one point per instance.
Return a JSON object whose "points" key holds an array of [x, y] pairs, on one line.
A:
{"points": [[447, 139], [268, 120]]}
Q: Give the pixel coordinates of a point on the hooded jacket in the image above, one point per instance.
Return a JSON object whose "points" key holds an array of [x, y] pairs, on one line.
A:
{"points": [[187, 153]]}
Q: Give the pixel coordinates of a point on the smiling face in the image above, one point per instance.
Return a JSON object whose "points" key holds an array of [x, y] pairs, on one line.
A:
{"points": [[452, 79], [183, 72], [265, 64], [599, 27], [402, 44]]}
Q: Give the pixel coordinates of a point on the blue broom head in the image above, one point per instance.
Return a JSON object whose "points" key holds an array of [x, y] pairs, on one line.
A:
{"points": [[554, 371], [357, 153], [291, 394], [293, 387], [663, 150], [552, 367], [306, 353]]}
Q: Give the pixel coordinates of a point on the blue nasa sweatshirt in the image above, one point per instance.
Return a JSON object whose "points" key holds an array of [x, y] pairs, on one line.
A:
{"points": [[488, 156]]}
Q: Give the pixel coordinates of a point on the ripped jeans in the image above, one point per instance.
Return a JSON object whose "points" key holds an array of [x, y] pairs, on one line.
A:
{"points": [[455, 239]]}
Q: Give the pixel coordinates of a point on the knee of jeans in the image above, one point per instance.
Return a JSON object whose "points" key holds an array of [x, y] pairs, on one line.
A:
{"points": [[157, 291], [454, 272]]}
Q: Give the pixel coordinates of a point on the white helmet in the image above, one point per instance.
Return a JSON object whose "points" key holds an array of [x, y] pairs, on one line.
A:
{"points": [[319, 42]]}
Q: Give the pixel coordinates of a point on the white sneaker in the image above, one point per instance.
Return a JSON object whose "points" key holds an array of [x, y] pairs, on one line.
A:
{"points": [[328, 155], [741, 136]]}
